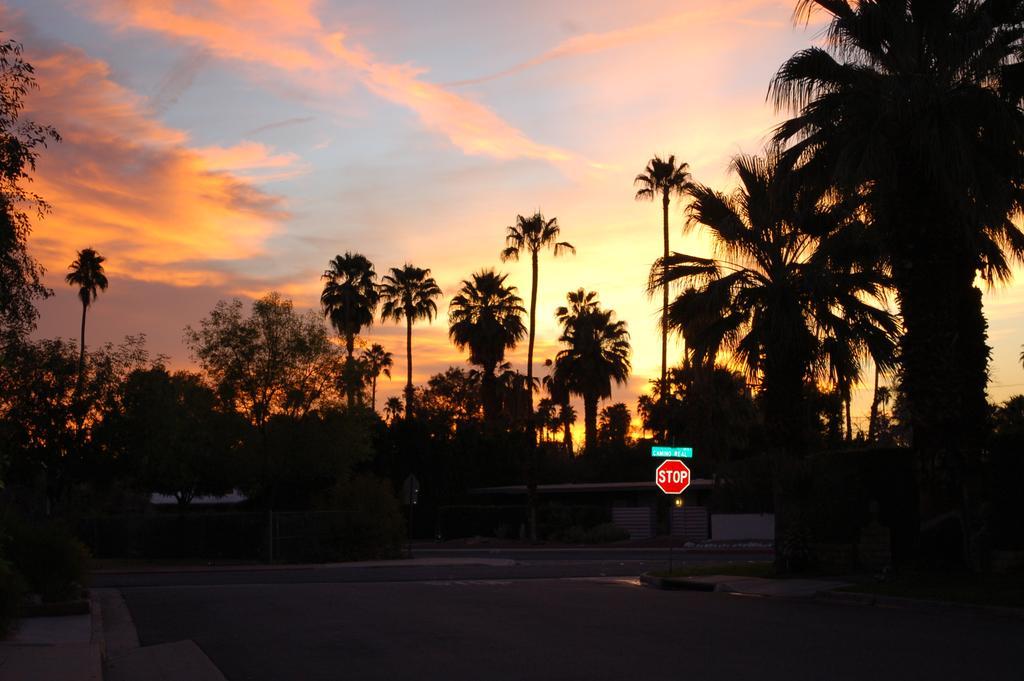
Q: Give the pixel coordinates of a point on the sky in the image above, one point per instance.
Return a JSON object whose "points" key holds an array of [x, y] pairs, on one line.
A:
{"points": [[227, 148]]}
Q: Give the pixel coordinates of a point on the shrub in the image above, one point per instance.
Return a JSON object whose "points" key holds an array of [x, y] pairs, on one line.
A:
{"points": [[361, 520], [605, 533], [12, 590], [52, 562]]}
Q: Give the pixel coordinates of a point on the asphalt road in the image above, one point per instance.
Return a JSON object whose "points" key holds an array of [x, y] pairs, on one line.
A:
{"points": [[489, 623]]}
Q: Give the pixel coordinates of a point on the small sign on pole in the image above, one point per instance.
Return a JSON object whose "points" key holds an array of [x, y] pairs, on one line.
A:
{"points": [[659, 452], [410, 490]]}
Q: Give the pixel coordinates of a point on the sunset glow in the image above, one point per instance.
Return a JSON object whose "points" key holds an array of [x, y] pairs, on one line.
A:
{"points": [[219, 148]]}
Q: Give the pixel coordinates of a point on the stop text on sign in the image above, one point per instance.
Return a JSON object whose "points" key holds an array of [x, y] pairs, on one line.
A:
{"points": [[672, 476]]}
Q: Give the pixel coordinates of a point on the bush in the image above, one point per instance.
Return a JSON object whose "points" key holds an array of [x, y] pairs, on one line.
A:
{"points": [[12, 590], [52, 562], [361, 520], [606, 533]]}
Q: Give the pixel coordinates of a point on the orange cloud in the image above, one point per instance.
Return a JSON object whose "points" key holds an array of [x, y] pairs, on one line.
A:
{"points": [[287, 35], [133, 188]]}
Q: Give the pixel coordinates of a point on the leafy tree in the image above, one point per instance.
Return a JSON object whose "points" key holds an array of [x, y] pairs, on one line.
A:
{"points": [[614, 425], [408, 293], [708, 408], [777, 294], [452, 398], [596, 353], [349, 300], [663, 178], [20, 274], [532, 235], [86, 272], [486, 316], [917, 107], [50, 412], [376, 361], [273, 361], [180, 442]]}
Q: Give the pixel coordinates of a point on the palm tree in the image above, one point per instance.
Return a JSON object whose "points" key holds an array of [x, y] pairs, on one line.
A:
{"points": [[408, 293], [783, 301], [86, 272], [664, 179], [546, 416], [567, 417], [349, 300], [532, 235], [377, 361], [596, 353], [487, 317], [916, 105], [393, 409]]}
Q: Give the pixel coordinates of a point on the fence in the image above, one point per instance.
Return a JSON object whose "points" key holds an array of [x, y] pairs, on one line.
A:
{"points": [[281, 536], [511, 521]]}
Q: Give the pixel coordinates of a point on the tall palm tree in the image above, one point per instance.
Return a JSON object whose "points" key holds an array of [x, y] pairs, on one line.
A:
{"points": [[663, 178], [546, 416], [487, 317], [532, 235], [780, 298], [917, 106], [377, 361], [349, 300], [86, 272], [595, 353], [408, 293], [392, 409], [567, 417]]}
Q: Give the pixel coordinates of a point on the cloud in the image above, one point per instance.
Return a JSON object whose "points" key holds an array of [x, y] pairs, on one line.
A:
{"points": [[132, 187], [288, 36], [178, 79], [588, 43]]}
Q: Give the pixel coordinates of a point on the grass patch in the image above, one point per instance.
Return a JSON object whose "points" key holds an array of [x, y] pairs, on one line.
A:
{"points": [[998, 590], [740, 568]]}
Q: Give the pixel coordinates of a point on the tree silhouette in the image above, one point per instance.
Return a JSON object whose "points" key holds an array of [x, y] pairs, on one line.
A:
{"points": [[532, 235], [487, 317], [86, 272], [408, 293], [916, 105], [596, 353], [393, 409], [376, 361], [782, 300], [663, 178], [349, 300], [21, 275]]}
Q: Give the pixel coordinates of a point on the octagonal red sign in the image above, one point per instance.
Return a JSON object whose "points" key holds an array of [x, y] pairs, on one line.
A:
{"points": [[672, 476]]}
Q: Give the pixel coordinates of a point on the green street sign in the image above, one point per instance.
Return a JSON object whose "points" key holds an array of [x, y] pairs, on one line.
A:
{"points": [[672, 452]]}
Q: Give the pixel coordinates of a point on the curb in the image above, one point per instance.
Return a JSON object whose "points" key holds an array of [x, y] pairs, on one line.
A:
{"points": [[675, 583], [97, 635], [863, 599]]}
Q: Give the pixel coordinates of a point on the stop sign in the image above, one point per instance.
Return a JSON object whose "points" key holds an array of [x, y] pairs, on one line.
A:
{"points": [[672, 477]]}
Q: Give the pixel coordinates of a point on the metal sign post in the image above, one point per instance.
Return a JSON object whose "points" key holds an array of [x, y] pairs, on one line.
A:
{"points": [[672, 477], [410, 495]]}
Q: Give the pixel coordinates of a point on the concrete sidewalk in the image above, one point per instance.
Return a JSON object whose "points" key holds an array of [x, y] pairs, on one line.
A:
{"points": [[258, 567], [52, 649], [746, 586], [126, 660]]}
